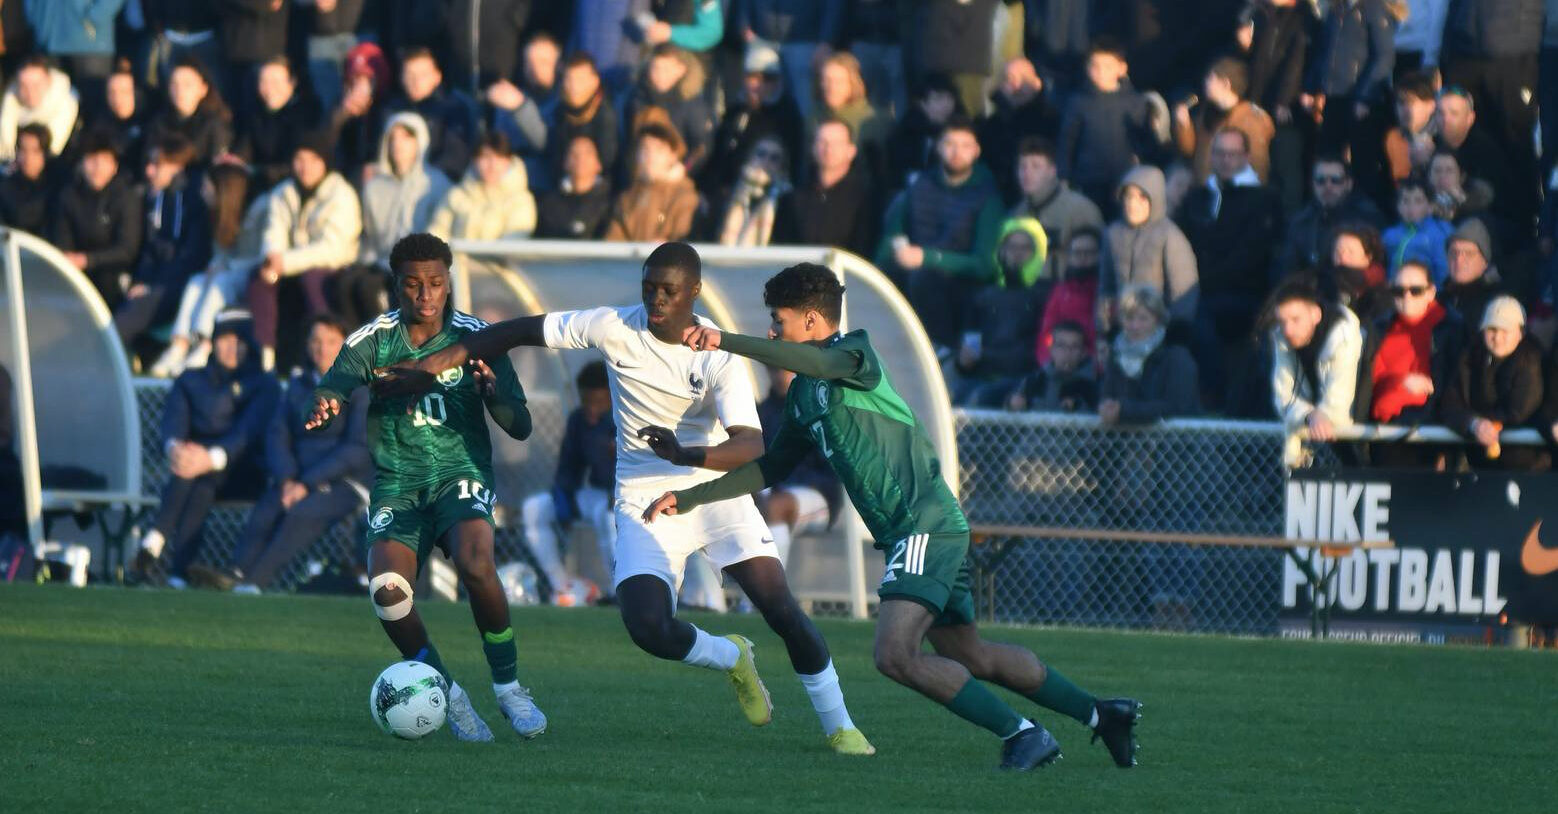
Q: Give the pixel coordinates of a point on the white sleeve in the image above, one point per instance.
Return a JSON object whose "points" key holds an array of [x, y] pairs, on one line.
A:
{"points": [[734, 399], [577, 330]]}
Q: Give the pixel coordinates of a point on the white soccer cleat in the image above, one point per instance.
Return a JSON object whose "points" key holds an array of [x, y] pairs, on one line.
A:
{"points": [[521, 711], [462, 717]]}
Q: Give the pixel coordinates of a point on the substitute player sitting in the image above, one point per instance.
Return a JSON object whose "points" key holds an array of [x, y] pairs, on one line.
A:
{"points": [[842, 403], [434, 460], [657, 383]]}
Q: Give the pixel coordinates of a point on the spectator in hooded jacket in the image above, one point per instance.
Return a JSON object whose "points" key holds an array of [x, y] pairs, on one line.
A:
{"points": [[1145, 247], [312, 230], [494, 200], [1316, 346], [839, 204], [404, 190], [40, 94], [449, 114], [1497, 386], [1149, 377], [660, 203], [673, 81], [195, 110], [1103, 127], [213, 431], [283, 113], [98, 225], [317, 477], [28, 187], [584, 110], [1003, 320], [579, 207], [177, 240]]}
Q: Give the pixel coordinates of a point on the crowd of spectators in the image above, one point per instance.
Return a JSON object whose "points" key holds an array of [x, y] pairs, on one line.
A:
{"points": [[1319, 211]]}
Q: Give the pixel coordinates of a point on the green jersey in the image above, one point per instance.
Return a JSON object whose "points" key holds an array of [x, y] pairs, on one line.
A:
{"points": [[881, 453], [429, 440]]}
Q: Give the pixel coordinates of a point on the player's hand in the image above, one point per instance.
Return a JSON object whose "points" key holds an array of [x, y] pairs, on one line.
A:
{"points": [[292, 493], [415, 378], [664, 444], [665, 504], [486, 380], [324, 410], [701, 337]]}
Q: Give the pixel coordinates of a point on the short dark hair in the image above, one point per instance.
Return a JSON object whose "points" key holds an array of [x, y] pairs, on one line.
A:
{"points": [[1417, 84], [1235, 72], [1036, 145], [330, 321], [806, 287], [1107, 45], [39, 131], [174, 148], [581, 59], [1294, 290], [937, 82], [495, 141], [419, 52], [1414, 181], [417, 248], [678, 256], [1069, 326], [98, 140], [831, 119], [592, 377], [1086, 231], [959, 122], [1332, 158], [38, 60]]}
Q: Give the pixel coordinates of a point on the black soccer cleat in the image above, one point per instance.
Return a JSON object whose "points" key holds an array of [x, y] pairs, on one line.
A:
{"points": [[1029, 749], [1117, 727]]}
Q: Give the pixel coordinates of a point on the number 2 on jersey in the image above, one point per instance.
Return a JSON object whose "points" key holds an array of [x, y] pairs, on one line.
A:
{"points": [[430, 411], [822, 439]]}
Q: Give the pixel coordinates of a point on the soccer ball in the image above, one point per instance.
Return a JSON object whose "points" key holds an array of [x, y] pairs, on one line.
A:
{"points": [[409, 700], [578, 593]]}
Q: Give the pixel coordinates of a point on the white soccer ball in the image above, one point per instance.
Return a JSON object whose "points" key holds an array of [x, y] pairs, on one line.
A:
{"points": [[409, 700]]}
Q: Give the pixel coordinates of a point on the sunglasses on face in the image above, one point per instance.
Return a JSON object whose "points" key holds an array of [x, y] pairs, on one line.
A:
{"points": [[1400, 291], [1332, 180]]}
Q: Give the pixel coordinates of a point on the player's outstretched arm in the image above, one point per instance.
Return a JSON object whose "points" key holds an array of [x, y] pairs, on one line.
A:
{"points": [[807, 360], [489, 343], [743, 445], [789, 447]]}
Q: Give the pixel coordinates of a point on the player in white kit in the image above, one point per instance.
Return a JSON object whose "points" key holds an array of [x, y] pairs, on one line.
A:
{"points": [[662, 391]]}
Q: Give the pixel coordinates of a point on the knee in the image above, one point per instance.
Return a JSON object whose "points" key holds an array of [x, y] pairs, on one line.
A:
{"points": [[652, 633], [391, 595], [476, 567], [893, 661]]}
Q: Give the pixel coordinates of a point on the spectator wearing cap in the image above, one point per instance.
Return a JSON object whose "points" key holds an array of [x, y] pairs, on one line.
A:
{"points": [[28, 186], [493, 202], [660, 203], [404, 190], [1150, 377], [1145, 247], [195, 110], [1316, 345], [584, 110], [874, 33], [177, 241], [524, 113], [1408, 358], [1335, 203], [940, 234], [332, 34], [837, 204], [252, 32], [98, 224], [40, 94], [912, 146], [450, 114], [213, 431], [674, 82], [1225, 105], [81, 37], [312, 231], [1473, 280], [283, 113], [841, 94], [1498, 385], [358, 121], [765, 108], [124, 113], [804, 31], [579, 207], [1043, 195], [1019, 110]]}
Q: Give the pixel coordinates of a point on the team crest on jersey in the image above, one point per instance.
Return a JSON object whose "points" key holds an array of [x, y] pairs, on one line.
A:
{"points": [[382, 519], [822, 395], [452, 376], [696, 384]]}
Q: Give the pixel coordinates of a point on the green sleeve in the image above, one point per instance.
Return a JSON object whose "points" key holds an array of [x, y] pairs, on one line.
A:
{"points": [[976, 263], [892, 227], [704, 32], [507, 406], [807, 360], [789, 447], [353, 368]]}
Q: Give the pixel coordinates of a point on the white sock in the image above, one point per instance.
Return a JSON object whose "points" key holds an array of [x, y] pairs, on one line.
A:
{"points": [[781, 533], [1092, 723], [1025, 725], [500, 689], [712, 652], [828, 699], [153, 542]]}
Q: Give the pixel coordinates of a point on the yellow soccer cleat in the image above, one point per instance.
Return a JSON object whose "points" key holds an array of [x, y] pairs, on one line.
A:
{"points": [[750, 692], [851, 742]]}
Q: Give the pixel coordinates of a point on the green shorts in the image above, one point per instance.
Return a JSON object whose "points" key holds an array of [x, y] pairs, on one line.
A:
{"points": [[933, 570], [419, 519]]}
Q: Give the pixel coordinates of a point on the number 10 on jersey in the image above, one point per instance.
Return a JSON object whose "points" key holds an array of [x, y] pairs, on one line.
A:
{"points": [[430, 411]]}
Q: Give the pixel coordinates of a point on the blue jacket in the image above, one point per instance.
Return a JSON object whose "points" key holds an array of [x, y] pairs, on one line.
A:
{"points": [[337, 451], [177, 240], [587, 447], [1355, 51], [74, 26], [225, 408], [1423, 243]]}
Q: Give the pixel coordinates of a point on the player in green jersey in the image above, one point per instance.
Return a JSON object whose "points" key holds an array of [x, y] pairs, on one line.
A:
{"points": [[842, 403], [433, 459]]}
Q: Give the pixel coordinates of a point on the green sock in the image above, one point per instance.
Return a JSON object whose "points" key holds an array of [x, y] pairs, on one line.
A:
{"points": [[977, 705], [429, 655], [1059, 694], [501, 655]]}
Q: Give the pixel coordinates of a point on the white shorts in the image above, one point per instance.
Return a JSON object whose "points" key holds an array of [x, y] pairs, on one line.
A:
{"points": [[728, 532], [811, 508]]}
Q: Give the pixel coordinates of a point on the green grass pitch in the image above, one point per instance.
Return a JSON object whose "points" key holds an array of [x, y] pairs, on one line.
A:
{"points": [[120, 700]]}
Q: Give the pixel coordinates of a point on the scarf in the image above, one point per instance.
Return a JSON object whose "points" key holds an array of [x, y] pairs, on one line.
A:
{"points": [[1132, 356]]}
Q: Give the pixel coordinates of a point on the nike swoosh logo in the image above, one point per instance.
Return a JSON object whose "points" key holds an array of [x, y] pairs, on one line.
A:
{"points": [[1537, 559]]}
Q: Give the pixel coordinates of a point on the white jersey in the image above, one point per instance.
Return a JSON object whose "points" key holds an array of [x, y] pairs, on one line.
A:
{"points": [[697, 394]]}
